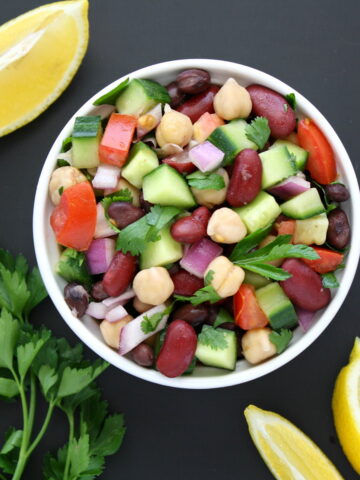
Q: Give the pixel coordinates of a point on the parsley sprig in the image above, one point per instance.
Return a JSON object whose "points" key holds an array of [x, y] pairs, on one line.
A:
{"points": [[258, 131], [205, 294], [135, 236], [213, 337], [256, 261], [206, 181], [281, 339], [150, 324], [33, 360]]}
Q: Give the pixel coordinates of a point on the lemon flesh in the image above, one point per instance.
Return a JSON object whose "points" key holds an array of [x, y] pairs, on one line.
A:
{"points": [[40, 53], [287, 451], [346, 407]]}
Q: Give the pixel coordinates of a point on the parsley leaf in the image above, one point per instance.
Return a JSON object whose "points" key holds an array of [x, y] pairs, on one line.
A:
{"points": [[291, 99], [72, 267], [134, 237], [223, 316], [206, 181], [249, 242], [120, 196], [213, 338], [268, 271], [329, 280], [281, 339], [150, 324], [110, 98], [66, 145], [74, 380], [258, 131], [62, 163]]}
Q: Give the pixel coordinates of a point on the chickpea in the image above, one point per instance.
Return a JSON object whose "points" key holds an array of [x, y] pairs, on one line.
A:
{"points": [[175, 127], [140, 306], [227, 277], [266, 241], [64, 177], [225, 226], [256, 345], [153, 285], [111, 330], [209, 198], [232, 101]]}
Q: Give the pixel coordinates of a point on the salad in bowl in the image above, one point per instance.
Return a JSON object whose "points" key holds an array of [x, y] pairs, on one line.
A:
{"points": [[200, 222]]}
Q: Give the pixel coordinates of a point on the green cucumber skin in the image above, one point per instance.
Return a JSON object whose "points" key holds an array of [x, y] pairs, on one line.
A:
{"points": [[140, 96], [142, 160], [277, 166], [225, 358], [87, 126], [249, 214], [277, 306], [303, 206], [301, 155]]}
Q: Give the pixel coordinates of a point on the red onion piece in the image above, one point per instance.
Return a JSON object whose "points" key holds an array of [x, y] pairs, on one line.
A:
{"points": [[199, 255], [107, 176], [112, 302], [116, 314], [100, 254], [103, 228], [290, 187], [305, 317], [156, 113], [97, 310], [206, 156], [132, 335]]}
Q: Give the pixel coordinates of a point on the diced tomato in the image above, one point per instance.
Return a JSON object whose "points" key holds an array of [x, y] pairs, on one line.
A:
{"points": [[247, 311], [286, 227], [206, 124], [117, 138], [328, 261], [321, 162], [74, 219]]}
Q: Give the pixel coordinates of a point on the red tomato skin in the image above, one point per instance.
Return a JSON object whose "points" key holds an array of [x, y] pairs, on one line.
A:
{"points": [[74, 219], [321, 162], [116, 141], [247, 311], [328, 261]]}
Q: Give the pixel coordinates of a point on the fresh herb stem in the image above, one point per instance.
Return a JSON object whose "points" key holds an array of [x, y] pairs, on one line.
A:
{"points": [[70, 416], [43, 429]]}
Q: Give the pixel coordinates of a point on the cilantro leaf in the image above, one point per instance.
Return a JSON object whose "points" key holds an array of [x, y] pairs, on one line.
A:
{"points": [[110, 98], [26, 353], [8, 388], [150, 324], [213, 338], [13, 291], [206, 181], [249, 242], [62, 163], [281, 339], [79, 456], [76, 379], [329, 280], [134, 237], [37, 290], [72, 267], [9, 453], [258, 131], [223, 316], [120, 196], [205, 294], [47, 377], [9, 335], [291, 99], [66, 145]]}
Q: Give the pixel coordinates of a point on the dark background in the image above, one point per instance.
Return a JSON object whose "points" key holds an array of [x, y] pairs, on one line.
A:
{"points": [[313, 46]]}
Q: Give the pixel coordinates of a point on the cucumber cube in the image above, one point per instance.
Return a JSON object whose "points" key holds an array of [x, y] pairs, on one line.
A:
{"points": [[140, 96], [277, 165], [163, 252], [85, 141], [259, 213], [299, 153], [142, 160], [277, 306], [220, 358], [306, 205]]}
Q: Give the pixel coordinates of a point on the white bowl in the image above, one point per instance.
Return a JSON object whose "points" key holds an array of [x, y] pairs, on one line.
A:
{"points": [[87, 330]]}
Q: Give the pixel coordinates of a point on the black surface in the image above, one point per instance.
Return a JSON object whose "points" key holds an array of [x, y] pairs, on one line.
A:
{"points": [[313, 46]]}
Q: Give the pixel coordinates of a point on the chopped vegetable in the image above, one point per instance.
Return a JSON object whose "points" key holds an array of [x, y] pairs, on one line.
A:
{"points": [[328, 260], [107, 176], [290, 187], [109, 98], [99, 255], [204, 181], [206, 156], [247, 311], [72, 267], [117, 138], [199, 255]]}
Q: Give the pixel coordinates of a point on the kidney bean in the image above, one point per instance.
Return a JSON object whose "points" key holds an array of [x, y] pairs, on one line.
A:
{"points": [[245, 181], [178, 349], [124, 213], [180, 162], [120, 274], [143, 355], [270, 104], [194, 315], [77, 298], [199, 104], [304, 288], [176, 95], [193, 81], [185, 283], [97, 292], [338, 234], [192, 228], [337, 192]]}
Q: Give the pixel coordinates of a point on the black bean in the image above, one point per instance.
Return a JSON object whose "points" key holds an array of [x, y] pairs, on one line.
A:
{"points": [[337, 192], [77, 299], [194, 315], [338, 234], [143, 355], [176, 95], [97, 292], [124, 213], [193, 81]]}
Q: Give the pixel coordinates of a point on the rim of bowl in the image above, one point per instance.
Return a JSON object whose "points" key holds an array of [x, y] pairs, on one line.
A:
{"points": [[42, 235]]}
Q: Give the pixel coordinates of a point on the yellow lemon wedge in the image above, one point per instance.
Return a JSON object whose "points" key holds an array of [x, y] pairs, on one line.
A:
{"points": [[286, 450], [40, 52], [346, 407]]}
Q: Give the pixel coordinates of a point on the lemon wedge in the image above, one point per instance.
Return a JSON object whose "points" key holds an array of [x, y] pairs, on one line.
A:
{"points": [[346, 407], [40, 52], [286, 450]]}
